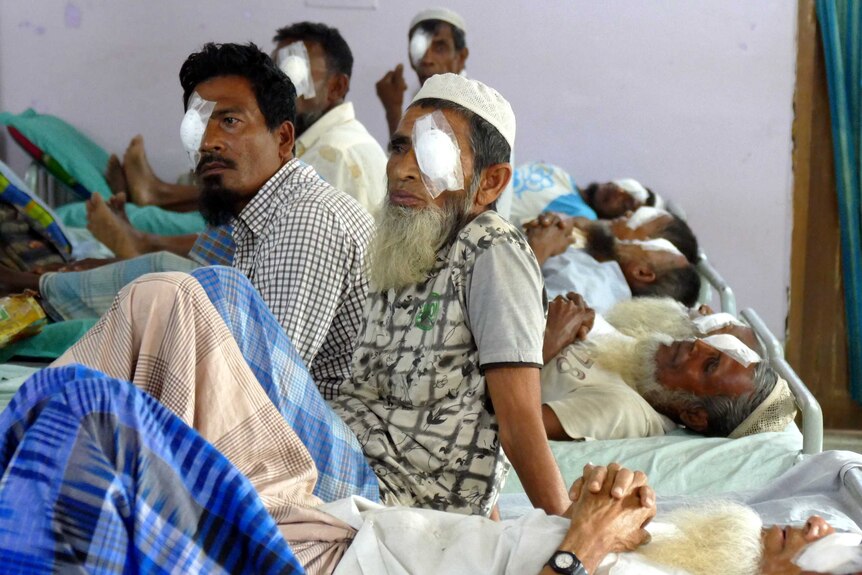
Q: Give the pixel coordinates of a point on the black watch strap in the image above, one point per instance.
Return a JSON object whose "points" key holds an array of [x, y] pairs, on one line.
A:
{"points": [[566, 563]]}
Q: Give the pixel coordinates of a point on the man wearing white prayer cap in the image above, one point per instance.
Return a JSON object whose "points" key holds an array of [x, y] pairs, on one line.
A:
{"points": [[445, 386], [613, 199], [437, 45]]}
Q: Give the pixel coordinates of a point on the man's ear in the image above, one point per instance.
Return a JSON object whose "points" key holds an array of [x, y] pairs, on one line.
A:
{"points": [[465, 52], [696, 419], [285, 134], [337, 87], [643, 273], [494, 180]]}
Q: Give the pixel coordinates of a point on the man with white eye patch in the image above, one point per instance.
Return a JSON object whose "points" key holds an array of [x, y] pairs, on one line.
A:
{"points": [[649, 366], [445, 384]]}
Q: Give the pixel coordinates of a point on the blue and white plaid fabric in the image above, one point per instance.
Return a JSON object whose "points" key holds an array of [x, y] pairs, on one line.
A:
{"points": [[214, 247], [99, 477], [341, 466]]}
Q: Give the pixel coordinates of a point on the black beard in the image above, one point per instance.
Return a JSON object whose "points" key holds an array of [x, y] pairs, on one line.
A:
{"points": [[218, 205], [304, 121], [601, 243]]}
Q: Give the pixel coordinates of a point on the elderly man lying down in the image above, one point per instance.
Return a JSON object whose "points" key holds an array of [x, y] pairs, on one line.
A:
{"points": [[653, 367]]}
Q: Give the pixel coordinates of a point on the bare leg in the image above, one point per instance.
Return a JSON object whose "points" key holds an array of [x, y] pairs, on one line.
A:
{"points": [[146, 189], [115, 176], [14, 281], [113, 230]]}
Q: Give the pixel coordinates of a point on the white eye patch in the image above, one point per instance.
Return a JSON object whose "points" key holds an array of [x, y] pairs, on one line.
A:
{"points": [[419, 42], [194, 126], [634, 188], [731, 345], [438, 154], [644, 215], [655, 245], [294, 62], [707, 324]]}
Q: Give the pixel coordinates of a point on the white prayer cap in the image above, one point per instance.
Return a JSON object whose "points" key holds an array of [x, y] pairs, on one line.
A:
{"points": [[634, 188], [480, 99], [774, 414], [442, 14]]}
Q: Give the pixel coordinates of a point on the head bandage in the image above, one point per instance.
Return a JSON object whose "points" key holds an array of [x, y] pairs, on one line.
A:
{"points": [[437, 154], [634, 188], [644, 215], [294, 61], [194, 126], [654, 245], [442, 14], [707, 324], [730, 345], [419, 42], [480, 99], [776, 411]]}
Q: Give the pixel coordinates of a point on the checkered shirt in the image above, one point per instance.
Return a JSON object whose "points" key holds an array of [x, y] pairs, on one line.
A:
{"points": [[302, 244], [214, 247]]}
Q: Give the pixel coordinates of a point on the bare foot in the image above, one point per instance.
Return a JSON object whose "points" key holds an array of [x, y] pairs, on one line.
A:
{"points": [[117, 203], [142, 181], [115, 176], [112, 230]]}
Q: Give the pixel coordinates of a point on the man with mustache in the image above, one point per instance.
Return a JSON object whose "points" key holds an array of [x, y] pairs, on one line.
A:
{"points": [[445, 383], [300, 241]]}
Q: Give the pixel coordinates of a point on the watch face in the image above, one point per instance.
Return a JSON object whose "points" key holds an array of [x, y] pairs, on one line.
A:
{"points": [[563, 560]]}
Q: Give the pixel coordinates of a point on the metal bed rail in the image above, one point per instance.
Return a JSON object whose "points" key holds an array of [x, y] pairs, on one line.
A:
{"points": [[711, 275], [812, 415]]}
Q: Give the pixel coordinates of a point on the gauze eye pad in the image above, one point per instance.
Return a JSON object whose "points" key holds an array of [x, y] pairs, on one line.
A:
{"points": [[419, 42], [437, 154], [644, 215], [707, 324], [655, 245], [731, 345], [194, 126], [294, 61]]}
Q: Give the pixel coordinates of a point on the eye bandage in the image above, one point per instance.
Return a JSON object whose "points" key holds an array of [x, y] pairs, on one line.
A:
{"points": [[835, 553], [294, 61], [731, 345], [438, 154], [644, 215], [634, 188], [707, 324], [194, 126], [419, 42], [654, 245]]}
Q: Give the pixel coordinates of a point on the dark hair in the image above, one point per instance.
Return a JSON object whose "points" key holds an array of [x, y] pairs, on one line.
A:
{"points": [[459, 37], [339, 58], [273, 90], [681, 284], [651, 197], [680, 235], [726, 413]]}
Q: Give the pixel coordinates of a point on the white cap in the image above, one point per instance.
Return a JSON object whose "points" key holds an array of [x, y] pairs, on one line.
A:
{"points": [[634, 188], [774, 414], [480, 99], [442, 14]]}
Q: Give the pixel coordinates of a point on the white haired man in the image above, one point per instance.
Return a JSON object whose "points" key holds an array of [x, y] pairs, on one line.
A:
{"points": [[445, 384]]}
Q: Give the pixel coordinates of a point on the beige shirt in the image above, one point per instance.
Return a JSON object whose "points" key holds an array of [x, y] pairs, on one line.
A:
{"points": [[345, 155], [593, 403]]}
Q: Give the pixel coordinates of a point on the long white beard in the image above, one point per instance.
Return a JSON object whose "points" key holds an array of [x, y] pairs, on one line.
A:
{"points": [[643, 316], [718, 537], [633, 359], [405, 245]]}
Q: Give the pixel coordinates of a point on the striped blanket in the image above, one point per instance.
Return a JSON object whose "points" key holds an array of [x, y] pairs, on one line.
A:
{"points": [[99, 477]]}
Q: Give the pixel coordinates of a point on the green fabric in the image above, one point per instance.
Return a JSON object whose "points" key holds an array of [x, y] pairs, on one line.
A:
{"points": [[76, 153], [51, 343], [147, 218]]}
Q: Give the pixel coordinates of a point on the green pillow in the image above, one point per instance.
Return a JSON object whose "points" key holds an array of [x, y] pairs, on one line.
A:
{"points": [[51, 342], [77, 154]]}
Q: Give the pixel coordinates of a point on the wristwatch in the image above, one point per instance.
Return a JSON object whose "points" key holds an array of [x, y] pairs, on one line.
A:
{"points": [[566, 563]]}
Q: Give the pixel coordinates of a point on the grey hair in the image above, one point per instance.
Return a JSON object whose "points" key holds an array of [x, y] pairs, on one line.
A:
{"points": [[726, 412]]}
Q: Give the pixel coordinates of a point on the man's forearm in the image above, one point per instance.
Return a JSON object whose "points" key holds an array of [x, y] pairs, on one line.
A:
{"points": [[527, 448]]}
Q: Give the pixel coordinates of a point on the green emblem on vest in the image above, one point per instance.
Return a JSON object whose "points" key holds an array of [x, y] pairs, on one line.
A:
{"points": [[428, 313]]}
